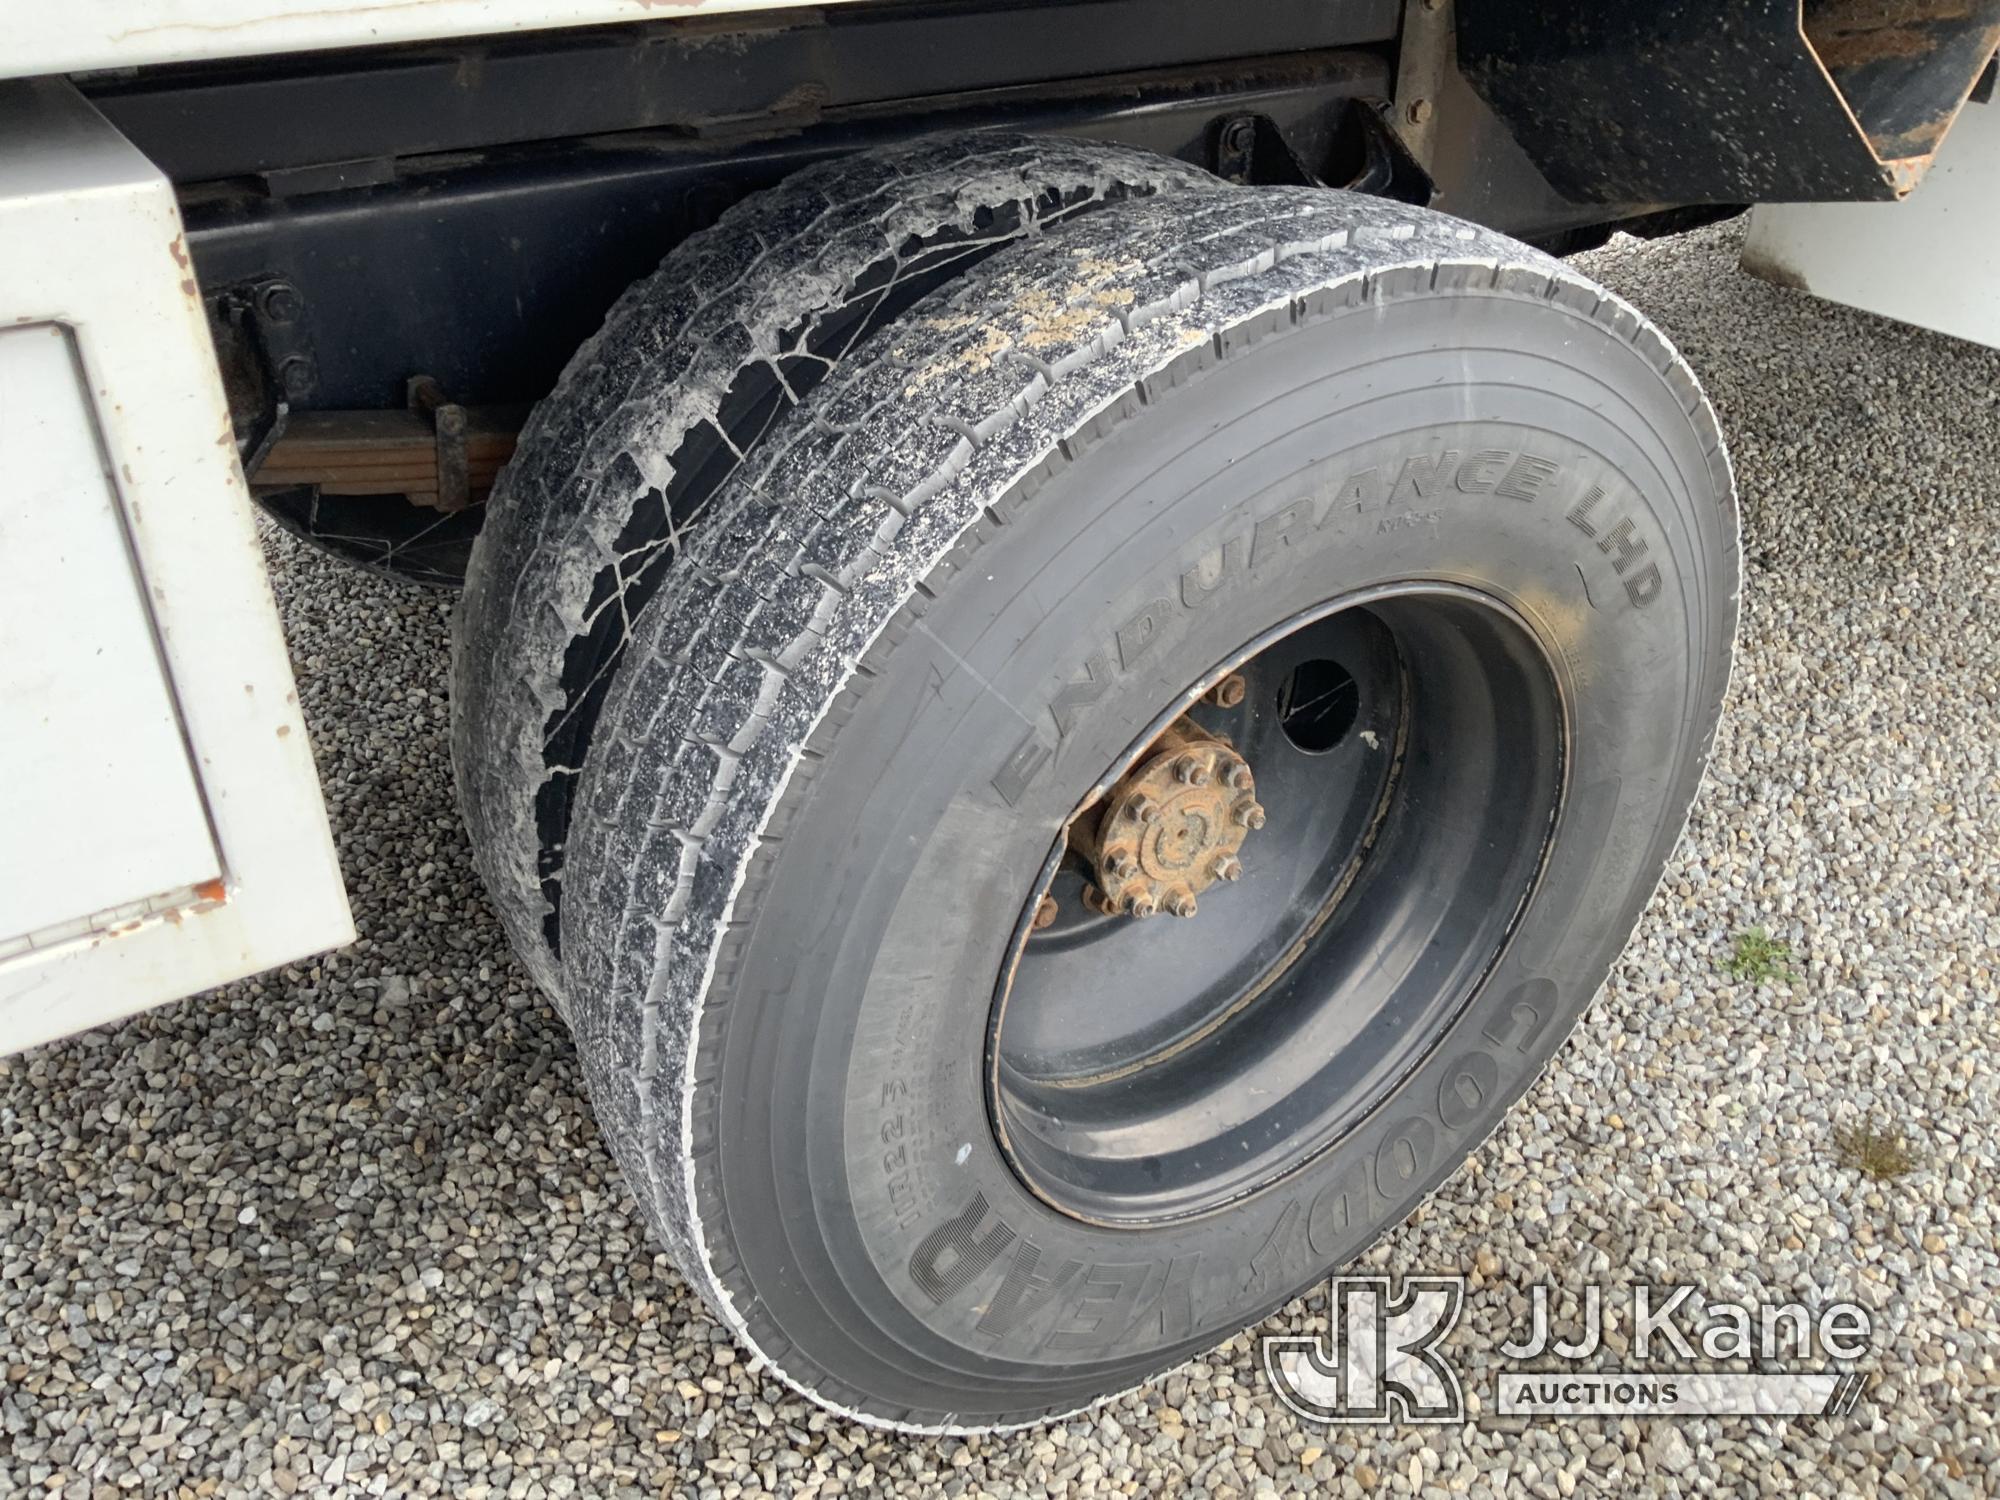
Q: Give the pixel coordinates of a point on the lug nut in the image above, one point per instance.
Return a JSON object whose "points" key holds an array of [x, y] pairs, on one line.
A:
{"points": [[1181, 904], [1240, 779], [1228, 692], [1190, 771], [1119, 862], [1144, 808], [1045, 914], [1228, 867], [1141, 906], [1250, 815], [1093, 899]]}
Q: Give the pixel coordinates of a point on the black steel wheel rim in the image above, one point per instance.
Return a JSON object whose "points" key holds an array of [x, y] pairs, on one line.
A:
{"points": [[1409, 745]]}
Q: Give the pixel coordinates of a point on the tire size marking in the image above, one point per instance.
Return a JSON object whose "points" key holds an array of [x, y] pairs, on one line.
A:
{"points": [[900, 1144], [895, 1132]]}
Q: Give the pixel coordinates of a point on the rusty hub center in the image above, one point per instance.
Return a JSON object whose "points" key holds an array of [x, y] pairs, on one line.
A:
{"points": [[1172, 826]]}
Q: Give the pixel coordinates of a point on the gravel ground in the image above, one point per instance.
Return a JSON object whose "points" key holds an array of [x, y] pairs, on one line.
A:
{"points": [[348, 1228]]}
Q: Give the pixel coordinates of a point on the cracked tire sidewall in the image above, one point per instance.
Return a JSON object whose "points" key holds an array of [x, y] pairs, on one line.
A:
{"points": [[670, 361]]}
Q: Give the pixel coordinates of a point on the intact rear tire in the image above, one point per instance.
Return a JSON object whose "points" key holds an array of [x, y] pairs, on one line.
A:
{"points": [[691, 368], [964, 585]]}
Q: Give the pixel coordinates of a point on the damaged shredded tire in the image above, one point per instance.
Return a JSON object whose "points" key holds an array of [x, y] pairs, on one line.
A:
{"points": [[691, 368], [1132, 780]]}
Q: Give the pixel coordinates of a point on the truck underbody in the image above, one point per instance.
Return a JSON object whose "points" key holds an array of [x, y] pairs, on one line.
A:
{"points": [[381, 232]]}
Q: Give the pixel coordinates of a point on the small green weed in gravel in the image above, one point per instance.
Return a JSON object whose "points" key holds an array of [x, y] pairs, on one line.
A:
{"points": [[1881, 1154], [1760, 958]]}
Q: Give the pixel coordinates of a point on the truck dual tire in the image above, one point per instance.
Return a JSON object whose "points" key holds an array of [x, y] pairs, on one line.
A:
{"points": [[1418, 529], [691, 366]]}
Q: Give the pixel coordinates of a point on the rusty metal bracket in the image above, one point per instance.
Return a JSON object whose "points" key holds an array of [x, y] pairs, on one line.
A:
{"points": [[454, 487], [1760, 101], [264, 351], [1425, 57], [275, 314]]}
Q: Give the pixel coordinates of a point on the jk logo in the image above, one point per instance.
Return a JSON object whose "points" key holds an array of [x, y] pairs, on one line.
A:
{"points": [[1381, 1362]]}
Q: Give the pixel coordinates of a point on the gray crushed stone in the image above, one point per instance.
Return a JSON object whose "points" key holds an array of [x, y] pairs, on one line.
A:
{"points": [[348, 1228]]}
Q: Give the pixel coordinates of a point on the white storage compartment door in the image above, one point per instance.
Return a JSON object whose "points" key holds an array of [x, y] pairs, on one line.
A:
{"points": [[98, 802], [161, 825]]}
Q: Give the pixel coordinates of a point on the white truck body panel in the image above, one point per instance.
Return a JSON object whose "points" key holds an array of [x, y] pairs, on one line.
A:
{"points": [[161, 826], [1932, 260], [100, 779], [92, 34]]}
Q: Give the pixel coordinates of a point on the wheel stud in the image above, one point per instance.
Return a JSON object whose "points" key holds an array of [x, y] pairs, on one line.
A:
{"points": [[1144, 808], [1181, 904], [1228, 867], [1228, 692], [1250, 815], [1120, 863], [1240, 779], [1142, 905], [1190, 771], [1045, 914]]}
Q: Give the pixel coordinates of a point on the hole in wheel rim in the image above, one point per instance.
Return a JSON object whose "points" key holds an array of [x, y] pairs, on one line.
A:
{"points": [[1140, 1071], [1317, 705]]}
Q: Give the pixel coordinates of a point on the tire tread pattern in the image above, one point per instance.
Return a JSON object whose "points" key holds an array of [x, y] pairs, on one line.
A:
{"points": [[734, 308], [826, 548]]}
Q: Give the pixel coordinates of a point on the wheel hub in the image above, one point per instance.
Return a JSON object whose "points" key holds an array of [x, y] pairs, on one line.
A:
{"points": [[1172, 826], [1411, 744]]}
